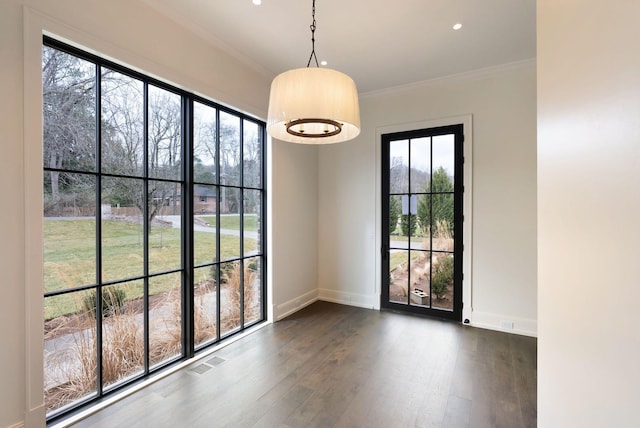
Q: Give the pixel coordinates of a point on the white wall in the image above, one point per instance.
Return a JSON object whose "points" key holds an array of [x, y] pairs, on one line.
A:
{"points": [[12, 303], [503, 104], [131, 33], [295, 232], [588, 213]]}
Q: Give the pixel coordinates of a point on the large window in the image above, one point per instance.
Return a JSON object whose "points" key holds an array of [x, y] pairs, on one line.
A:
{"points": [[153, 225]]}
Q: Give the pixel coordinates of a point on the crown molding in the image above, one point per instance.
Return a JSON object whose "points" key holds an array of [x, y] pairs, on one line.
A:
{"points": [[478, 74]]}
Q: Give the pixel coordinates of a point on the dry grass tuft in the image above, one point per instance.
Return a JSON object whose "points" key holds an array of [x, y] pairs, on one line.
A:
{"points": [[204, 318], [122, 347], [442, 237], [165, 337], [122, 356], [252, 295], [230, 311], [73, 367]]}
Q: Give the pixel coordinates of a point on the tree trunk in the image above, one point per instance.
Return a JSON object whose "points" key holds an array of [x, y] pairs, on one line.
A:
{"points": [[55, 184]]}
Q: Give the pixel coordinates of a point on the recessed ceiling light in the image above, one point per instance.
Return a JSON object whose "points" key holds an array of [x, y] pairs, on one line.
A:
{"points": [[323, 62], [455, 27], [257, 2]]}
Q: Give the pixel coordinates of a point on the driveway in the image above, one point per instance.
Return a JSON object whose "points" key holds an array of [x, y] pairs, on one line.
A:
{"points": [[176, 222]]}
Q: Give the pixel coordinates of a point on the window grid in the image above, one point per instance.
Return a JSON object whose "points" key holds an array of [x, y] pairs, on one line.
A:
{"points": [[186, 271], [389, 191]]}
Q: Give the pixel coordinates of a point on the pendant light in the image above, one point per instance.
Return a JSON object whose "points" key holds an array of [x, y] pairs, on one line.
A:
{"points": [[313, 105]]}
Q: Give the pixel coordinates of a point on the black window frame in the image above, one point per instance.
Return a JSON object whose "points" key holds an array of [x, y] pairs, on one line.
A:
{"points": [[458, 194], [186, 181]]}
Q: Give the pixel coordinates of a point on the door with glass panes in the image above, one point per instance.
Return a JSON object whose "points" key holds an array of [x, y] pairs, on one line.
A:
{"points": [[422, 188]]}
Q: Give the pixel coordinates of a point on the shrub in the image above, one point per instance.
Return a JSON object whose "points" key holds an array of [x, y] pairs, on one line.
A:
{"points": [[113, 299], [226, 269], [394, 213], [408, 226], [442, 276], [439, 206]]}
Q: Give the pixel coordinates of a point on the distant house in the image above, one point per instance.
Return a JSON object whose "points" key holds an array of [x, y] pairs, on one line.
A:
{"points": [[204, 199]]}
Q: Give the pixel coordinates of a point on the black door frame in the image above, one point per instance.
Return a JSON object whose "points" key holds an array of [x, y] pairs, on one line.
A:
{"points": [[458, 131]]}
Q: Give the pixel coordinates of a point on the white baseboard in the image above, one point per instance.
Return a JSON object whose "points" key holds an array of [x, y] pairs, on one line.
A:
{"points": [[491, 321], [351, 299], [285, 309], [506, 323]]}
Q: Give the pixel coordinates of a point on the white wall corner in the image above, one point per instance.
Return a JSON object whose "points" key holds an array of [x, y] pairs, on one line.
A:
{"points": [[368, 301], [35, 417], [285, 309], [505, 323], [34, 410]]}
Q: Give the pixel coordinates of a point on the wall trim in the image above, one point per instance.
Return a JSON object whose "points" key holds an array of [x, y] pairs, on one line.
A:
{"points": [[367, 301], [34, 409], [34, 417], [289, 307], [478, 74], [486, 320], [491, 321]]}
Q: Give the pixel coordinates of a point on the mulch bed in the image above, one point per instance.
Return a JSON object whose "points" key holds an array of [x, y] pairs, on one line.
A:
{"points": [[398, 292]]}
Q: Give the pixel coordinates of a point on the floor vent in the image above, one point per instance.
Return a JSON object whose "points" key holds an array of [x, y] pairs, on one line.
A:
{"points": [[205, 367], [201, 368], [216, 361]]}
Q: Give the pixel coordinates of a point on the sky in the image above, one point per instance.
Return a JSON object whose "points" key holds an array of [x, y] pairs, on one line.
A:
{"points": [[443, 152]]}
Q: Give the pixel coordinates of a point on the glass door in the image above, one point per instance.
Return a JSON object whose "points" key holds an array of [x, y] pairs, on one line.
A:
{"points": [[422, 189]]}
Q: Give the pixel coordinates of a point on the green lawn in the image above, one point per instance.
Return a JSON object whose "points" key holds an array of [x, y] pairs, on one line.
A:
{"points": [[396, 258], [232, 221], [404, 238], [70, 254]]}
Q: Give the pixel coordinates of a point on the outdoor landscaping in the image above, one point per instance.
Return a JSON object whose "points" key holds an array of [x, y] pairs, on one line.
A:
{"points": [[415, 274], [71, 335], [115, 150]]}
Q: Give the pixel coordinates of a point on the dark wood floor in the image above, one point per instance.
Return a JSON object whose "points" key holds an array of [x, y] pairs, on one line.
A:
{"points": [[338, 366]]}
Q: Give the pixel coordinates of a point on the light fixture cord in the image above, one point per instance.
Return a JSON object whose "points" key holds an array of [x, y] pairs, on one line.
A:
{"points": [[313, 36]]}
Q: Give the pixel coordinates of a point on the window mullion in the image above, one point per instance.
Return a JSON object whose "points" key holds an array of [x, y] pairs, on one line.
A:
{"points": [[218, 252], [431, 225], [188, 263], [98, 294], [146, 224], [241, 221]]}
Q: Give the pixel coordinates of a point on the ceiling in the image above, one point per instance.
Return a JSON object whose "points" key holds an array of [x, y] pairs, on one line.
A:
{"points": [[379, 43]]}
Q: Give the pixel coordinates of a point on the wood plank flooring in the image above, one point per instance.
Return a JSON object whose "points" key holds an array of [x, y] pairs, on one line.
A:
{"points": [[338, 366]]}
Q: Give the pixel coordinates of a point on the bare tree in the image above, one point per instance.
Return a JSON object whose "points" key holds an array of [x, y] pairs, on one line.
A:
{"points": [[124, 145], [164, 148], [122, 123], [69, 125], [205, 141]]}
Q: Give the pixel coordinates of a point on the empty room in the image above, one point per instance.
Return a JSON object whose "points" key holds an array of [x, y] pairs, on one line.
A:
{"points": [[319, 213]]}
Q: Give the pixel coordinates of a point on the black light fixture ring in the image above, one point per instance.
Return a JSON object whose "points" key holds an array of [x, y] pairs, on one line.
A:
{"points": [[327, 133]]}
